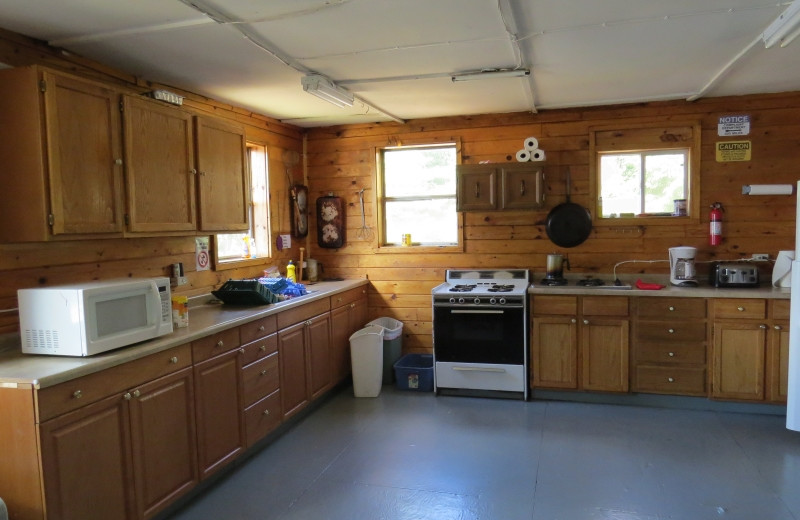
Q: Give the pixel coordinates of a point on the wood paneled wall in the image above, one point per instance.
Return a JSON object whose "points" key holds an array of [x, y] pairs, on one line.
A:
{"points": [[32, 264], [342, 160]]}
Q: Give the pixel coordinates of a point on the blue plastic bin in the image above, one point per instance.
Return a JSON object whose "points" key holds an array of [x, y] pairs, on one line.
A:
{"points": [[414, 372]]}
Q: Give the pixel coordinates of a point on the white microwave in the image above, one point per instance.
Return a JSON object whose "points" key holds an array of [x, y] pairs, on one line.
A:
{"points": [[89, 318]]}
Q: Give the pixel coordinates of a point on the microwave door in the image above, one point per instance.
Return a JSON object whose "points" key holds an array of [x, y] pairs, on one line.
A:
{"points": [[121, 316]]}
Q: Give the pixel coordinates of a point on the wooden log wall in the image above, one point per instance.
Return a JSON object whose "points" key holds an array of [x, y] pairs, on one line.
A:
{"points": [[58, 262], [342, 160]]}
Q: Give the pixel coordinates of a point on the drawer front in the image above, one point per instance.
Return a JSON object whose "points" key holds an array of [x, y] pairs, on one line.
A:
{"points": [[349, 296], [668, 380], [71, 395], [303, 313], [555, 305], [605, 306], [263, 417], [210, 346], [687, 353], [260, 378], [677, 330], [258, 329], [668, 308], [748, 308], [259, 348], [780, 309]]}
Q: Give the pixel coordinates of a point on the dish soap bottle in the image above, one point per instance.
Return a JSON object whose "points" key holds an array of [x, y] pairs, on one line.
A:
{"points": [[290, 272]]}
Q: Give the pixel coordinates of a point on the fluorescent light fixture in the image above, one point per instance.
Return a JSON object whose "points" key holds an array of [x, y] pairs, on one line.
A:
{"points": [[767, 189], [785, 28], [324, 88], [492, 74]]}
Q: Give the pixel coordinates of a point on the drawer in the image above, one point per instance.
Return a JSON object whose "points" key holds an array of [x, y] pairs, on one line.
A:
{"points": [[210, 346], [71, 395], [605, 305], [349, 296], [667, 308], [258, 329], [303, 313], [259, 348], [260, 378], [671, 353], [747, 308], [668, 380], [555, 305], [676, 330], [263, 417], [780, 310]]}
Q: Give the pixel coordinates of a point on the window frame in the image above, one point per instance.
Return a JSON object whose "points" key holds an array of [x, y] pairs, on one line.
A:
{"points": [[380, 199], [647, 137]]}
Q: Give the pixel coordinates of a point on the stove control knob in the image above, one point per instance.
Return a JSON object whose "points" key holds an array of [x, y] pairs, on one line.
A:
{"points": [[493, 301], [502, 301], [452, 300], [476, 301], [461, 300]]}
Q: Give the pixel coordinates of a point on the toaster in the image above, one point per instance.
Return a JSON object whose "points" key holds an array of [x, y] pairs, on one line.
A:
{"points": [[733, 275]]}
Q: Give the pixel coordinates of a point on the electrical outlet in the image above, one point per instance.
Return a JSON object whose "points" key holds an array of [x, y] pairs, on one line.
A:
{"points": [[760, 257]]}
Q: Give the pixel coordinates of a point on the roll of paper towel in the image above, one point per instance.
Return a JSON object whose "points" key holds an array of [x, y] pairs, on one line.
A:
{"points": [[782, 272], [531, 143], [537, 155], [523, 155]]}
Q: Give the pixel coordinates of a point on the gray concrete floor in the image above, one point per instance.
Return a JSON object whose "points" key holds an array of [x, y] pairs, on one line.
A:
{"points": [[415, 456]]}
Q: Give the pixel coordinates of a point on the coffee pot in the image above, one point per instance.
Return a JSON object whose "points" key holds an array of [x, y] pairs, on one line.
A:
{"points": [[681, 266], [555, 267]]}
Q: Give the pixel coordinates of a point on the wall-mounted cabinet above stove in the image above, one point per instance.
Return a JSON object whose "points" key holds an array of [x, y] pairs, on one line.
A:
{"points": [[491, 187]]}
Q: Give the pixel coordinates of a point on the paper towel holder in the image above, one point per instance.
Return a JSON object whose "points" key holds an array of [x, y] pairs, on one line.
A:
{"points": [[768, 189]]}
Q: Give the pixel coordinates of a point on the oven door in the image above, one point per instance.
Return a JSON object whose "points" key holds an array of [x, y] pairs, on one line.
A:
{"points": [[479, 335]]}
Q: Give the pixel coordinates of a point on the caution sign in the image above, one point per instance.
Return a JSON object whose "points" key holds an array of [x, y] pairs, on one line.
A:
{"points": [[730, 151], [202, 259], [733, 125]]}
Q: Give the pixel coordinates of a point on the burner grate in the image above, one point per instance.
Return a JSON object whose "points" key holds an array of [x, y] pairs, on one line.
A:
{"points": [[591, 282], [554, 281], [462, 288]]}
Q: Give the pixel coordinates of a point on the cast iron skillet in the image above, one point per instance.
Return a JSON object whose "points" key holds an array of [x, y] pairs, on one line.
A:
{"points": [[568, 224]]}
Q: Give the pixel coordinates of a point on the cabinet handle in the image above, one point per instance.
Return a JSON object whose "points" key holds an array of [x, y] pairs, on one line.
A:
{"points": [[77, 394], [585, 322], [522, 187], [263, 372], [173, 359], [220, 344], [671, 308], [136, 393], [740, 309], [127, 396], [671, 331], [762, 326], [671, 380], [266, 412], [262, 348], [477, 190], [777, 327]]}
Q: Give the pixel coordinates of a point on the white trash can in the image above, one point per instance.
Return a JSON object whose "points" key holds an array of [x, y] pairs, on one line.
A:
{"points": [[366, 360]]}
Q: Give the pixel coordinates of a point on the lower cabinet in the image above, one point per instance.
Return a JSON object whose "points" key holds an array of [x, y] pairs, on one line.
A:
{"points": [[305, 362]]}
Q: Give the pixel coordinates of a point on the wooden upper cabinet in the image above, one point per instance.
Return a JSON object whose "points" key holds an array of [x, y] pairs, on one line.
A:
{"points": [[488, 187], [223, 185], [62, 157], [159, 166]]}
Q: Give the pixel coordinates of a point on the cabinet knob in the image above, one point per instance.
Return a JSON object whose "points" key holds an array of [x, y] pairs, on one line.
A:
{"points": [[762, 326], [127, 396], [671, 380], [77, 394], [671, 354], [266, 412], [261, 329], [173, 359], [740, 309], [136, 393], [778, 327], [573, 320], [671, 308], [671, 331], [220, 344], [201, 172], [118, 162], [263, 372], [193, 171], [262, 348], [352, 305], [241, 351], [308, 323], [585, 322]]}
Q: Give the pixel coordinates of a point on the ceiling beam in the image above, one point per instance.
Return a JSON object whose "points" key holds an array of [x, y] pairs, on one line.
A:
{"points": [[510, 24]]}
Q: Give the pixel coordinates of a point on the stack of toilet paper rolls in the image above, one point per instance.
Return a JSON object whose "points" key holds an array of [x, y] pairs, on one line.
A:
{"points": [[531, 151]]}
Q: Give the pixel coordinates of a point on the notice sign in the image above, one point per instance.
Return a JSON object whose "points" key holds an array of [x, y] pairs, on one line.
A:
{"points": [[733, 125], [201, 255], [729, 151]]}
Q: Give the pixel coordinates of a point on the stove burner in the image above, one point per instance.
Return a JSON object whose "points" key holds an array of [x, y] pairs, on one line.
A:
{"points": [[591, 282], [462, 288], [500, 288], [554, 281]]}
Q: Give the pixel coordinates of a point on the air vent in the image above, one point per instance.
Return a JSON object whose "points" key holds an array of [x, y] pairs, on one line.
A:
{"points": [[41, 339]]}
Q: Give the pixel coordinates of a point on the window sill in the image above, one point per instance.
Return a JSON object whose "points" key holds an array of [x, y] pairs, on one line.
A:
{"points": [[419, 250], [244, 262]]}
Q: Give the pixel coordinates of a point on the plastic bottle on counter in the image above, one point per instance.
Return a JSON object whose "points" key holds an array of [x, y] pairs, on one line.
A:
{"points": [[290, 272]]}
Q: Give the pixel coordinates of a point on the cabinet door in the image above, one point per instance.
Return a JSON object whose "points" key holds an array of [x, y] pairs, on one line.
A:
{"points": [[319, 355], [159, 166], [739, 358], [778, 362], [475, 188], [218, 406], [85, 156], [86, 462], [292, 357], [163, 440], [223, 185], [554, 352], [521, 189], [604, 354]]}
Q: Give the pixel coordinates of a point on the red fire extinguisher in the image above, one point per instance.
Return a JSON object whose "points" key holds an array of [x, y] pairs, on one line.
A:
{"points": [[715, 231]]}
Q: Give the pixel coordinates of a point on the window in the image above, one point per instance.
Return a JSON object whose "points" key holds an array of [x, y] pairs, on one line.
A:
{"points": [[418, 195], [639, 171], [238, 247], [643, 183]]}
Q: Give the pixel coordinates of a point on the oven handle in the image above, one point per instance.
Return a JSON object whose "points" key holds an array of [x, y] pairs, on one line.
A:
{"points": [[479, 369], [459, 311]]}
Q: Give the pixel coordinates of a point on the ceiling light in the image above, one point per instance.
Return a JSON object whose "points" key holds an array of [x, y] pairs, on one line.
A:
{"points": [[326, 89], [785, 28], [492, 74]]}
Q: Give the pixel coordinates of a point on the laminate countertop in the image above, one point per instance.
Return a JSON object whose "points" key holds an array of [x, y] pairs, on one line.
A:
{"points": [[205, 318]]}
